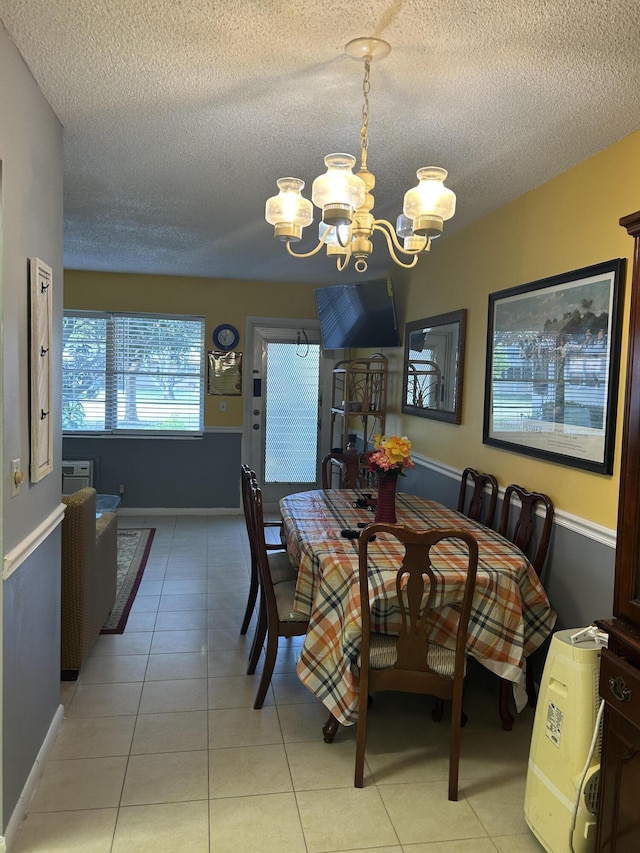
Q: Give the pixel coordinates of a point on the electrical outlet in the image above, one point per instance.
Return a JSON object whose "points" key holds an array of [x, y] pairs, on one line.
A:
{"points": [[121, 489]]}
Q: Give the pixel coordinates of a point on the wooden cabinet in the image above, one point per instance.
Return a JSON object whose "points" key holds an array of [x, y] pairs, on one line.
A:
{"points": [[618, 804], [619, 796], [358, 397]]}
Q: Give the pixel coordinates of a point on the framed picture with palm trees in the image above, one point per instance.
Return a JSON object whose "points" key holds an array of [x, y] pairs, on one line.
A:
{"points": [[553, 356]]}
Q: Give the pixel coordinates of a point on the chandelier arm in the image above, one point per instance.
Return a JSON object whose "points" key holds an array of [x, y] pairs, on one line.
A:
{"points": [[312, 252], [349, 236], [345, 261], [392, 244], [389, 232]]}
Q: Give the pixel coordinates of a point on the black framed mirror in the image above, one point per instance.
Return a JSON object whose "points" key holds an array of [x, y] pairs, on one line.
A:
{"points": [[433, 366]]}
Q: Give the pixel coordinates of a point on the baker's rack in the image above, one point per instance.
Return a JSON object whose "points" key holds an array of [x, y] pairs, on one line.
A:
{"points": [[359, 392]]}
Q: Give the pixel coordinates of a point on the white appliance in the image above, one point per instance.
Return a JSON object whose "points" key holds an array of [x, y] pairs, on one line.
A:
{"points": [[76, 475], [562, 791]]}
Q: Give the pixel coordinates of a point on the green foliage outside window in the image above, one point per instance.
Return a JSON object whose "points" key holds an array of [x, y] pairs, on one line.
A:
{"points": [[132, 373]]}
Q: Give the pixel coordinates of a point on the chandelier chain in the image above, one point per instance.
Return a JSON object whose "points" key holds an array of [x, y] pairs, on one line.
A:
{"points": [[364, 131]]}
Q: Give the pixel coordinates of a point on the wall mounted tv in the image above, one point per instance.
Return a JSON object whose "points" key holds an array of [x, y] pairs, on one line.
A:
{"points": [[357, 315]]}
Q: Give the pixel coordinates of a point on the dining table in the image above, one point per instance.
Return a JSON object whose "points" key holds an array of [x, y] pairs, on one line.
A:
{"points": [[511, 615]]}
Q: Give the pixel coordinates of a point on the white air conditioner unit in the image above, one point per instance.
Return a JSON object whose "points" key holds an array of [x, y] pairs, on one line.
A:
{"points": [[563, 733], [76, 475]]}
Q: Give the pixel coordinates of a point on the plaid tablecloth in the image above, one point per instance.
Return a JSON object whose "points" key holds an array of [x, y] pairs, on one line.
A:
{"points": [[511, 615]]}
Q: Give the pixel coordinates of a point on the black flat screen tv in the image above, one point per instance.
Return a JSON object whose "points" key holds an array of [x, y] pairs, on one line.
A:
{"points": [[357, 315]]}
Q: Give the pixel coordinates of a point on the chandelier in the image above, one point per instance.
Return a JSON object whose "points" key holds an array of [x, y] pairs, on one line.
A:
{"points": [[346, 201]]}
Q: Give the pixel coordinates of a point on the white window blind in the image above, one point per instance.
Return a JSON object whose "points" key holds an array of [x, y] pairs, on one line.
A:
{"points": [[291, 409], [132, 373]]}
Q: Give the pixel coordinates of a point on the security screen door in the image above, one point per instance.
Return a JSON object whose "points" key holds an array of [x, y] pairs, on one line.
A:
{"points": [[286, 436]]}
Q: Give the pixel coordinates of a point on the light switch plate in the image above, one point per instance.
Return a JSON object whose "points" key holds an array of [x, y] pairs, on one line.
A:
{"points": [[15, 469]]}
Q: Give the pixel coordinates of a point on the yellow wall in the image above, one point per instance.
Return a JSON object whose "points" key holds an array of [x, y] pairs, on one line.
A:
{"points": [[218, 300], [568, 223]]}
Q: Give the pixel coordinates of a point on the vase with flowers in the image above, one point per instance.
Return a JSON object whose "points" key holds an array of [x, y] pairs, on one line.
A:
{"points": [[390, 458]]}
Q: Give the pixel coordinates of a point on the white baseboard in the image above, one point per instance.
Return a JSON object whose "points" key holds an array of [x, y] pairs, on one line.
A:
{"points": [[163, 510], [22, 806]]}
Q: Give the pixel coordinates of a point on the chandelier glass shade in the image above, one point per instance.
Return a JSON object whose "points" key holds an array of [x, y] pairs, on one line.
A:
{"points": [[346, 201], [338, 192]]}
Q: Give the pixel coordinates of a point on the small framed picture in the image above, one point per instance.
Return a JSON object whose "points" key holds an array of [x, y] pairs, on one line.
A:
{"points": [[224, 373]]}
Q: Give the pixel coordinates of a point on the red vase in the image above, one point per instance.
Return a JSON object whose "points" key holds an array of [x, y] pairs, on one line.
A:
{"points": [[386, 503]]}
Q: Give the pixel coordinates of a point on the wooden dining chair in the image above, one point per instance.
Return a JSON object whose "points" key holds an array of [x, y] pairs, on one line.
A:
{"points": [[245, 480], [281, 620], [245, 489], [518, 526], [483, 496], [281, 570], [354, 470], [411, 662]]}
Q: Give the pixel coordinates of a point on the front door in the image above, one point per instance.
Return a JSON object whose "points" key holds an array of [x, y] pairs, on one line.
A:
{"points": [[286, 436]]}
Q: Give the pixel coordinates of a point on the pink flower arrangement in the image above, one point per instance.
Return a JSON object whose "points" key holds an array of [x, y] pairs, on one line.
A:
{"points": [[391, 454]]}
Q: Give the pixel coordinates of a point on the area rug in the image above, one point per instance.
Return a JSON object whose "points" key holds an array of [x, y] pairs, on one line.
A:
{"points": [[134, 544]]}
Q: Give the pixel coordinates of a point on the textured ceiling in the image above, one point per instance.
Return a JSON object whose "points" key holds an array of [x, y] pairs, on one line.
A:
{"points": [[179, 115]]}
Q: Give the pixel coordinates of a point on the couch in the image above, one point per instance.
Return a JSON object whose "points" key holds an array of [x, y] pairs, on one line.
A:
{"points": [[89, 576]]}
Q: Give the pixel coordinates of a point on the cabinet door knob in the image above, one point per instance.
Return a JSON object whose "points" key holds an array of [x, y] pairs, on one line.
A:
{"points": [[619, 688]]}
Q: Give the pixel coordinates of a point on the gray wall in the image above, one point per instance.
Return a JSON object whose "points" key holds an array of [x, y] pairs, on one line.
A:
{"points": [[204, 473], [578, 574], [31, 663], [196, 473], [31, 155]]}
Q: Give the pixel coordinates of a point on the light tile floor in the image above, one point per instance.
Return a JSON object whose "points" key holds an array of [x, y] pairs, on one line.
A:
{"points": [[161, 750]]}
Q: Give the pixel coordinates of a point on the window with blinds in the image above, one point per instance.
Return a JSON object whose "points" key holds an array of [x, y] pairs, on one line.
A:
{"points": [[132, 373]]}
